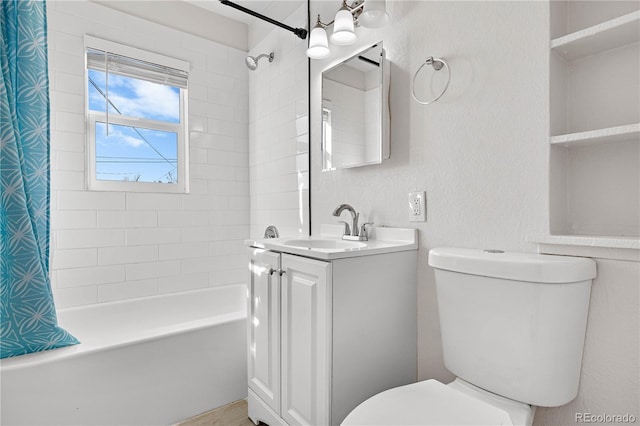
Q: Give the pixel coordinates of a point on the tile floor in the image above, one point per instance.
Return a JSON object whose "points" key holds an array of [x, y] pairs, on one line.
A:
{"points": [[234, 414]]}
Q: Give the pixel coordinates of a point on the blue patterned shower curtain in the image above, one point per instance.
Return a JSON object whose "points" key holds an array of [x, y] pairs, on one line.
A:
{"points": [[27, 312]]}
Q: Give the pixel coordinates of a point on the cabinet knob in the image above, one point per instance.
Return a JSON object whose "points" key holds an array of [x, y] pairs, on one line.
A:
{"points": [[280, 272]]}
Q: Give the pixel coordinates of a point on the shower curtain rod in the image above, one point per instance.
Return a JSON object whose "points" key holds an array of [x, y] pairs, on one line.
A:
{"points": [[300, 32]]}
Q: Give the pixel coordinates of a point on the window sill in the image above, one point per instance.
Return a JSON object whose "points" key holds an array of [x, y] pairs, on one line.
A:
{"points": [[148, 187]]}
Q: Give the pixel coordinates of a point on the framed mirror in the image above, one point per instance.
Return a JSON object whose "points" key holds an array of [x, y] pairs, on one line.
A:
{"points": [[355, 111]]}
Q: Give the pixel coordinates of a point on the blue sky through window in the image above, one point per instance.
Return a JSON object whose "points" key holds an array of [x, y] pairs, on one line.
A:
{"points": [[135, 153]]}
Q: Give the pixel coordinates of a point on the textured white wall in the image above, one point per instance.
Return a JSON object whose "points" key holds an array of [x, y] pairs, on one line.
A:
{"points": [[278, 132], [115, 245], [481, 154], [610, 366]]}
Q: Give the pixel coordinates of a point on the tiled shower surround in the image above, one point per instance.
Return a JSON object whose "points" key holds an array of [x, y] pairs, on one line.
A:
{"points": [[115, 245], [279, 133]]}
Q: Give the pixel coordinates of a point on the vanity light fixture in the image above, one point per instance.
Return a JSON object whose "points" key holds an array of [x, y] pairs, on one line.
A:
{"points": [[368, 13]]}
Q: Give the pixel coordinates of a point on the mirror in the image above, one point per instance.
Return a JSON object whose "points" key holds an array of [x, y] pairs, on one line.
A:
{"points": [[355, 111]]}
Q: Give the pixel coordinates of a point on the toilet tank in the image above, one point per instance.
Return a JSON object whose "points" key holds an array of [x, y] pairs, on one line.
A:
{"points": [[514, 323]]}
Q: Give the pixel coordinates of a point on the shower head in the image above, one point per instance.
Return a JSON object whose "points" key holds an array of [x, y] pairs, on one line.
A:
{"points": [[252, 62]]}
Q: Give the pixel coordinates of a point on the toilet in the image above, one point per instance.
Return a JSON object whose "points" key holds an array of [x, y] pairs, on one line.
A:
{"points": [[513, 327]]}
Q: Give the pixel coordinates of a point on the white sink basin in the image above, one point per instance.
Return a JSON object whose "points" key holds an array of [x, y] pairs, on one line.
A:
{"points": [[329, 245], [325, 244]]}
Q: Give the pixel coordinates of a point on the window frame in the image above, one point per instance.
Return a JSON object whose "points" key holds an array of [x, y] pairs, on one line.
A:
{"points": [[327, 143], [93, 117]]}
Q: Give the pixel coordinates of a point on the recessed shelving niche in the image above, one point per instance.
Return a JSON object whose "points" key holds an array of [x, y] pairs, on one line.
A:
{"points": [[595, 124], [599, 38]]}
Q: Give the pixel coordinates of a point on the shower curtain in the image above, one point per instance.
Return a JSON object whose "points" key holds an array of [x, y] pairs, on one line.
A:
{"points": [[28, 320]]}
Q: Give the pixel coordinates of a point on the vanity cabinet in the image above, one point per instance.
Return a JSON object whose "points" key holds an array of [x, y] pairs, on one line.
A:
{"points": [[288, 330], [263, 311], [324, 335]]}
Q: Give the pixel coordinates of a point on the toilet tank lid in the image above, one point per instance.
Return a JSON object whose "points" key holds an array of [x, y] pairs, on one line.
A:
{"points": [[531, 267]]}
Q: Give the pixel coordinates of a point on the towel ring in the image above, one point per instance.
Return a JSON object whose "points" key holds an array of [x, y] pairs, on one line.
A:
{"points": [[437, 64]]}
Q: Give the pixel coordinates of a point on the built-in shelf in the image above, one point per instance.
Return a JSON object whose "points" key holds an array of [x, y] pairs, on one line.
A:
{"points": [[599, 136], [602, 247], [590, 241], [599, 38], [594, 161]]}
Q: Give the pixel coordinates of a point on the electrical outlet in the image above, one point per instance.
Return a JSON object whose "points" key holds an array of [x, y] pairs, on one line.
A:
{"points": [[417, 206]]}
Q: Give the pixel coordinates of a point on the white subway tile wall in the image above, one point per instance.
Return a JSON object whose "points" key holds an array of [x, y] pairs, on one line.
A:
{"points": [[278, 134], [110, 246]]}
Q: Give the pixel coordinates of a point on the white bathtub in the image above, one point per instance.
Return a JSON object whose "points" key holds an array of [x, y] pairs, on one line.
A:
{"points": [[150, 361]]}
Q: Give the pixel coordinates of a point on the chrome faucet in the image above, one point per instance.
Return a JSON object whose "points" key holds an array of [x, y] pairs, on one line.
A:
{"points": [[351, 232]]}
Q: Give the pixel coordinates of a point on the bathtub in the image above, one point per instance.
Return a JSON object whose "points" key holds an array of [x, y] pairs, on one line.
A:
{"points": [[150, 361]]}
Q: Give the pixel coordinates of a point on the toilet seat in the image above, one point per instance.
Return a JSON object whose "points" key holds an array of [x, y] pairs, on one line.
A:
{"points": [[426, 403]]}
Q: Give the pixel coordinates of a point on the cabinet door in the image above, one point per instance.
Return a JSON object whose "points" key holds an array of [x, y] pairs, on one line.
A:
{"points": [[263, 310], [306, 345]]}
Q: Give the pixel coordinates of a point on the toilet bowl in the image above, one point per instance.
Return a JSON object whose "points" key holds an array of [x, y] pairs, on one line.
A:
{"points": [[512, 327], [433, 403]]}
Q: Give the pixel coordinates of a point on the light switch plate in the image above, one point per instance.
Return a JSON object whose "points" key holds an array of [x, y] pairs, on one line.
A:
{"points": [[417, 206]]}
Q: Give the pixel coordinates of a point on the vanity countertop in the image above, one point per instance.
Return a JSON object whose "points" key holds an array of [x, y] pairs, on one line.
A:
{"points": [[329, 245]]}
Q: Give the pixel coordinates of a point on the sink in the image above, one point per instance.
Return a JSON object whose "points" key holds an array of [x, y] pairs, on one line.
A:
{"points": [[325, 244], [328, 245]]}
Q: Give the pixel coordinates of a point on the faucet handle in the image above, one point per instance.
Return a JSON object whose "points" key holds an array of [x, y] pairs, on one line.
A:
{"points": [[271, 232], [347, 228], [363, 229]]}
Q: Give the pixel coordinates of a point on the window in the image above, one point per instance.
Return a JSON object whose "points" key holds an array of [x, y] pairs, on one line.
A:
{"points": [[136, 119], [327, 145]]}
